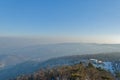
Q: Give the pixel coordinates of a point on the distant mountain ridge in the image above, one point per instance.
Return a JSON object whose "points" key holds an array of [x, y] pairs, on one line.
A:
{"points": [[12, 54]]}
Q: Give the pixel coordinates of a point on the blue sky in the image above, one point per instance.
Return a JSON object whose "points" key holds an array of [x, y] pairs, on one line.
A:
{"points": [[78, 19]]}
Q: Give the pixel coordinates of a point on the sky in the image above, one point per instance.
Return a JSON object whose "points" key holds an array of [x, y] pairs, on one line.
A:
{"points": [[61, 20]]}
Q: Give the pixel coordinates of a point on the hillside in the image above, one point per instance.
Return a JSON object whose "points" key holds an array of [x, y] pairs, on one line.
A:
{"points": [[74, 72], [28, 67]]}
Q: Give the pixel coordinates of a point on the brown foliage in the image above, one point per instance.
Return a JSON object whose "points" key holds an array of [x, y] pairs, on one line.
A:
{"points": [[75, 72]]}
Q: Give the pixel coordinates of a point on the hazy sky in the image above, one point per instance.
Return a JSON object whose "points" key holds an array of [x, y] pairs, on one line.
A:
{"points": [[62, 20]]}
